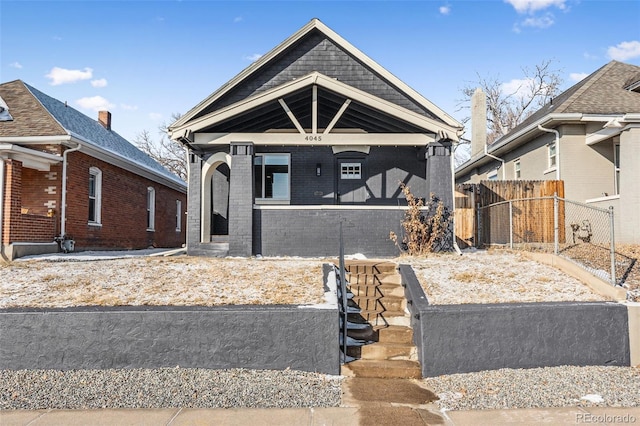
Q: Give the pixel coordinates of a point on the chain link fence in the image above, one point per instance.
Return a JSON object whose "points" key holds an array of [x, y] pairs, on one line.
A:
{"points": [[579, 232]]}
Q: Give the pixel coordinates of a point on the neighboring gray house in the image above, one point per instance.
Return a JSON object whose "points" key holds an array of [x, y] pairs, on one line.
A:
{"points": [[588, 136], [312, 134]]}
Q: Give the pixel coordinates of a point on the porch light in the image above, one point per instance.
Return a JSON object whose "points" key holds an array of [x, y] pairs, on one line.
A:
{"points": [[318, 169]]}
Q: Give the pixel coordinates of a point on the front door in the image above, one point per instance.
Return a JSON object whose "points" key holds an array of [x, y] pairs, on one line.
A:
{"points": [[351, 181]]}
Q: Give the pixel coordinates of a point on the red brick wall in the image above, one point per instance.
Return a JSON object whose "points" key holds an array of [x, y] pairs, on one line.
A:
{"points": [[18, 227], [124, 208]]}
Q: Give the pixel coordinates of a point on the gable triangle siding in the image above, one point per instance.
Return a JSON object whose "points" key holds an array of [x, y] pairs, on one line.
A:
{"points": [[316, 52]]}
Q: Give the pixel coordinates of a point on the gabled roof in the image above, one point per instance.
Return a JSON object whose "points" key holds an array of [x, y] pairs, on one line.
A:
{"points": [[605, 92], [36, 114], [281, 65]]}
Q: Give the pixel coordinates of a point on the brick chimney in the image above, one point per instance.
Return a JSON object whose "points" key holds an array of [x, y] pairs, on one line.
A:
{"points": [[478, 121], [104, 118]]}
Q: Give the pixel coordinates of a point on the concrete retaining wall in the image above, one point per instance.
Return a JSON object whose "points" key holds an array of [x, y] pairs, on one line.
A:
{"points": [[466, 338], [256, 337]]}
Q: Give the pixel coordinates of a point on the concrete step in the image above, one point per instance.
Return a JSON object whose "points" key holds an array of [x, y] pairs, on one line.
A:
{"points": [[384, 369], [391, 351], [370, 267], [384, 303], [377, 290], [376, 279], [395, 334]]}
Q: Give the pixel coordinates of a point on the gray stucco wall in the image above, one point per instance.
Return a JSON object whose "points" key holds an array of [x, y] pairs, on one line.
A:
{"points": [[465, 338], [257, 337]]}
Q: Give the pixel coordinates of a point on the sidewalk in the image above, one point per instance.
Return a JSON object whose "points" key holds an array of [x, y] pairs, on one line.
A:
{"points": [[347, 416]]}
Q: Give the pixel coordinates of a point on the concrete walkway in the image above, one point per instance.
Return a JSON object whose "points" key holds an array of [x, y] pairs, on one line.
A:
{"points": [[404, 416]]}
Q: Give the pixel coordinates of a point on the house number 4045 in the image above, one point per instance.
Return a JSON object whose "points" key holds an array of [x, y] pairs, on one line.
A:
{"points": [[313, 138]]}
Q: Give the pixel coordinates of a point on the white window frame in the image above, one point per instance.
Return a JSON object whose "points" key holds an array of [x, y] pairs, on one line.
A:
{"points": [[517, 169], [492, 175], [151, 209], [96, 173], [552, 158], [616, 166], [357, 171], [259, 197], [178, 215]]}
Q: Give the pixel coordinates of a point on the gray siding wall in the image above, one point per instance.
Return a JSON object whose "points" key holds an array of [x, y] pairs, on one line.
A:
{"points": [[259, 337], [304, 232], [317, 53], [629, 225]]}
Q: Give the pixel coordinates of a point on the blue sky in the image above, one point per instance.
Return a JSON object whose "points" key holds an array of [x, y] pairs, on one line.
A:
{"points": [[145, 60]]}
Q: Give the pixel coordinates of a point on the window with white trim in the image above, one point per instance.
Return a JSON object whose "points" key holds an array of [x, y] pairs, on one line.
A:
{"points": [[351, 171], [516, 169], [151, 208], [271, 176], [551, 149], [95, 195], [493, 175], [616, 165], [178, 215]]}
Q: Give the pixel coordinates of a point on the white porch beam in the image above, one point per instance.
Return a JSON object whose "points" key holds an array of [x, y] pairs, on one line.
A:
{"points": [[292, 117], [335, 119], [331, 139], [314, 109]]}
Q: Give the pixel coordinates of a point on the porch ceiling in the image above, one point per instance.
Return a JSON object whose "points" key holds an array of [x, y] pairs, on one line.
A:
{"points": [[271, 116]]}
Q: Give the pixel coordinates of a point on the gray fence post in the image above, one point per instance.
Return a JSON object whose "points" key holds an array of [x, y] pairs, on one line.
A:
{"points": [[556, 222], [613, 247]]}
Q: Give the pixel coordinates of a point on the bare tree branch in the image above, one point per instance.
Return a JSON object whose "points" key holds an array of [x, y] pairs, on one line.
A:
{"points": [[169, 153], [508, 106]]}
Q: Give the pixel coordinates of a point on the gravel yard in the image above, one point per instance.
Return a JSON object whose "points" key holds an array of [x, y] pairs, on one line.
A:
{"points": [[177, 281], [495, 276], [565, 386]]}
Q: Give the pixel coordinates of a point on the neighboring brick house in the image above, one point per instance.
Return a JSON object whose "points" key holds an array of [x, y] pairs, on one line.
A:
{"points": [[114, 195], [588, 136], [311, 135]]}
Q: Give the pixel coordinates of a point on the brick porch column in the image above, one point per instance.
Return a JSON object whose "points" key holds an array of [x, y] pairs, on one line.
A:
{"points": [[241, 199], [439, 180], [193, 203]]}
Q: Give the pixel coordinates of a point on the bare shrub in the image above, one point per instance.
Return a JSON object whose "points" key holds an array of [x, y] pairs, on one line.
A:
{"points": [[424, 233]]}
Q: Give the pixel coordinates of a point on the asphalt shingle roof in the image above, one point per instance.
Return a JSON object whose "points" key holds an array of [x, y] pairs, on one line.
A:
{"points": [[42, 115]]}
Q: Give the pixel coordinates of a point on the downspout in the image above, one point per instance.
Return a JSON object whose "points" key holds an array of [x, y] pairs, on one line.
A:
{"points": [[504, 176], [63, 207], [557, 148], [1, 200], [453, 197]]}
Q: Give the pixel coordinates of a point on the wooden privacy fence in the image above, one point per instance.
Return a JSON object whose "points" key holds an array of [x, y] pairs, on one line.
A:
{"points": [[525, 219]]}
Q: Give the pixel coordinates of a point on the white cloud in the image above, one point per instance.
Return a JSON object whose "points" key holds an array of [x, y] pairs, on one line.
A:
{"points": [[95, 103], [624, 51], [578, 76], [237, 19], [589, 56], [539, 22], [253, 57], [516, 87], [155, 116], [59, 75], [102, 82], [16, 65], [445, 10], [530, 6], [128, 107]]}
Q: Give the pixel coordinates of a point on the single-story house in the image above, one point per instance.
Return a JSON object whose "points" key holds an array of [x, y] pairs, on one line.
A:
{"points": [[70, 182], [588, 136], [311, 135]]}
